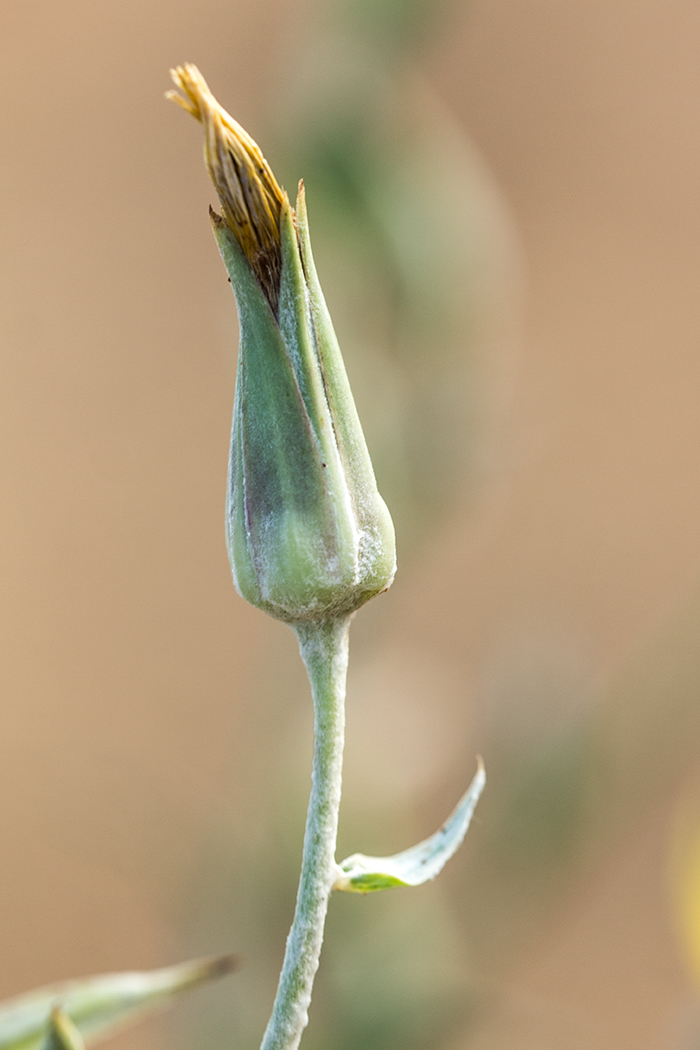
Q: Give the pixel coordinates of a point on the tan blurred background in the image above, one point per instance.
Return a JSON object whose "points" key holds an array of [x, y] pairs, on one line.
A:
{"points": [[505, 208]]}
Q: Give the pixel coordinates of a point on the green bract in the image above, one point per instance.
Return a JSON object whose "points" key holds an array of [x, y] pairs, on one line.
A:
{"points": [[309, 535]]}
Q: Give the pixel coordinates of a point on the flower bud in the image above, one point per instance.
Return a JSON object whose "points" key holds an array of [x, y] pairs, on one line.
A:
{"points": [[309, 536]]}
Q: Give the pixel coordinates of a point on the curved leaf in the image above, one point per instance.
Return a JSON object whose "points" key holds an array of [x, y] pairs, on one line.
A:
{"points": [[361, 874]]}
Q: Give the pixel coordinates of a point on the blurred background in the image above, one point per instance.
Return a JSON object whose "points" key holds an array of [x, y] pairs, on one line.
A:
{"points": [[504, 205]]}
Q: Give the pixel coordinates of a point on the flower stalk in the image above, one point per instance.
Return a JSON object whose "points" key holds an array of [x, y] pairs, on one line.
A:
{"points": [[310, 539], [324, 650]]}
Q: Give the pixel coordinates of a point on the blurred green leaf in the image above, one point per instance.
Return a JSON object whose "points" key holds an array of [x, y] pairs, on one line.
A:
{"points": [[361, 874], [98, 1006]]}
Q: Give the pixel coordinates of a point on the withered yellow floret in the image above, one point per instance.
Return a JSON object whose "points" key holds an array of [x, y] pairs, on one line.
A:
{"points": [[251, 198]]}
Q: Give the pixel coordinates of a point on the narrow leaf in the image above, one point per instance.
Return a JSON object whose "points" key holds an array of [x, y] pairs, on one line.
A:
{"points": [[100, 1005], [361, 874]]}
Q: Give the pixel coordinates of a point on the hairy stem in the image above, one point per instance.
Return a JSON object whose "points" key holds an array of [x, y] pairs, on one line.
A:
{"points": [[324, 650]]}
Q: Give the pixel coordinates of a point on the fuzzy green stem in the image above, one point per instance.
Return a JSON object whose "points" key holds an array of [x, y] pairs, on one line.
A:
{"points": [[324, 650]]}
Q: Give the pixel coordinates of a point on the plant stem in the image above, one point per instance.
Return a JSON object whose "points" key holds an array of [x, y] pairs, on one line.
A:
{"points": [[324, 650]]}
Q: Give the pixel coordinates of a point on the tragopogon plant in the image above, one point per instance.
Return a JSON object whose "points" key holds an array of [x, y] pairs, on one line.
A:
{"points": [[309, 537]]}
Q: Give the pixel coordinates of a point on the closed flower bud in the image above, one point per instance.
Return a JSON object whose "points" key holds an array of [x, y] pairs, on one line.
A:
{"points": [[309, 536]]}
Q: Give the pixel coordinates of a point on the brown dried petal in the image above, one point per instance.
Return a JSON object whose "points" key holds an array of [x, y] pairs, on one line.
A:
{"points": [[251, 198]]}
